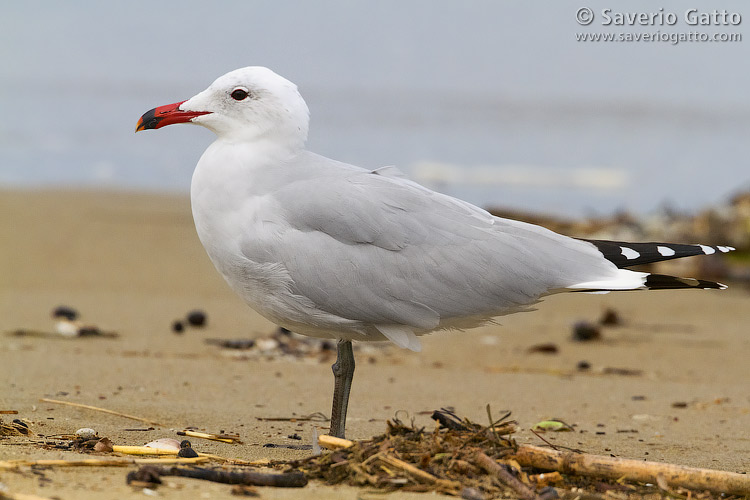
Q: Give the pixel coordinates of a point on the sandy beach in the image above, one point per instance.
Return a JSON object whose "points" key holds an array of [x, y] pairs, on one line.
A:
{"points": [[132, 263]]}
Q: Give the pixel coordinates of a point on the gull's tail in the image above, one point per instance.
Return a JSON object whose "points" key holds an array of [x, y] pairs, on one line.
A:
{"points": [[624, 255]]}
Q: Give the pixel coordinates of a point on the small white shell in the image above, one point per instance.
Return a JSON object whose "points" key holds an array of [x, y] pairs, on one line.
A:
{"points": [[164, 444], [67, 328], [86, 433]]}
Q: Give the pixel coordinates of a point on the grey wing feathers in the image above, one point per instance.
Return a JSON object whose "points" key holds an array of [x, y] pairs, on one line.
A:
{"points": [[385, 250]]}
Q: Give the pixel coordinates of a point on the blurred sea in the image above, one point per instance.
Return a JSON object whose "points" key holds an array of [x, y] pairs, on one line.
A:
{"points": [[495, 103]]}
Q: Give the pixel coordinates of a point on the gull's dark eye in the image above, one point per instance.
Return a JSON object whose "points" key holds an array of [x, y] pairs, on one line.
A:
{"points": [[239, 94]]}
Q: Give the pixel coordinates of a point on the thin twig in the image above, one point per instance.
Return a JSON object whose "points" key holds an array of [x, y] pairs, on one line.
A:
{"points": [[97, 462], [213, 437], [103, 410]]}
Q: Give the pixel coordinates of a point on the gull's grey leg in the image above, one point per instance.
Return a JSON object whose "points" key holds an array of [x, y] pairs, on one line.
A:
{"points": [[343, 372]]}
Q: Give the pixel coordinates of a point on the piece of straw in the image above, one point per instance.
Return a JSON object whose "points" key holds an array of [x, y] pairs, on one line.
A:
{"points": [[103, 410]]}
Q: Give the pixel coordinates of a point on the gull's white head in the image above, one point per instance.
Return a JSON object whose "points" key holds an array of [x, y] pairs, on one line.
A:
{"points": [[245, 105]]}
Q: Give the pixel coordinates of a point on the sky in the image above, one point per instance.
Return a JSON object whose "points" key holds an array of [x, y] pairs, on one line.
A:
{"points": [[492, 101]]}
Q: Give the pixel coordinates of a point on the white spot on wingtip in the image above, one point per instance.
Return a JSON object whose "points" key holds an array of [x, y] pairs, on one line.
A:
{"points": [[707, 250], [725, 249], [629, 253], [665, 251]]}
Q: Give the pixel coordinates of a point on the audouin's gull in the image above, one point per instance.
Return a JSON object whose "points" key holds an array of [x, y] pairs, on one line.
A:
{"points": [[332, 250]]}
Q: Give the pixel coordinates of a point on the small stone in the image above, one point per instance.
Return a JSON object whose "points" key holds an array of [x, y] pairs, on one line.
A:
{"points": [[178, 327], [583, 366], [196, 318], [610, 318], [86, 433], [583, 331], [186, 450], [65, 312]]}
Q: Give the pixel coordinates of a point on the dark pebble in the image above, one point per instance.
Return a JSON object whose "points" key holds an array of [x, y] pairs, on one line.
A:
{"points": [[187, 453], [65, 312], [679, 404], [548, 348], [178, 327], [583, 331], [88, 331], [583, 366], [610, 318], [196, 318], [186, 450]]}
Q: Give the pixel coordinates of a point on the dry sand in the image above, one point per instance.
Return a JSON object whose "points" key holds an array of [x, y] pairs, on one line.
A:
{"points": [[132, 263]]}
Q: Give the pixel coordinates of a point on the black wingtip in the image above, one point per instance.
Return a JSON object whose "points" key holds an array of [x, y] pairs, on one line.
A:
{"points": [[666, 282], [624, 254]]}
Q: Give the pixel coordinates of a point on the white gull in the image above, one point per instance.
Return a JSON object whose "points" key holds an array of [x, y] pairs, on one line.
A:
{"points": [[328, 249]]}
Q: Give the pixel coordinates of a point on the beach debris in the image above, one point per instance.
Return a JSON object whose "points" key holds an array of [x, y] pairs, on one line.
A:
{"points": [[312, 417], [104, 445], [628, 372], [86, 433], [552, 425], [97, 462], [177, 326], [196, 318], [584, 331], [610, 317], [17, 427], [65, 312], [164, 444], [334, 443], [170, 446], [103, 410], [244, 490], [224, 438], [448, 419], [144, 477], [282, 343], [545, 348], [583, 366], [476, 463], [679, 404], [67, 324], [186, 450], [241, 344], [292, 479], [637, 471], [289, 446]]}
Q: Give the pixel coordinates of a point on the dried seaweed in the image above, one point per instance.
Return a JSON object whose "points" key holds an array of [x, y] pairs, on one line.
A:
{"points": [[462, 458]]}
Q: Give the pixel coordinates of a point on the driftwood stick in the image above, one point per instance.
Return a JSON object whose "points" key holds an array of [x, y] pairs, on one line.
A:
{"points": [[103, 410], [287, 480], [505, 477], [96, 462], [568, 462]]}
